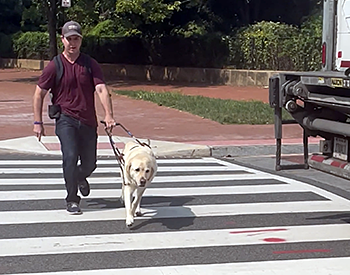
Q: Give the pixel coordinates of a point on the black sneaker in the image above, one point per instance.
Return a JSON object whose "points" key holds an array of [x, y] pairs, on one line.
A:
{"points": [[73, 208], [84, 187]]}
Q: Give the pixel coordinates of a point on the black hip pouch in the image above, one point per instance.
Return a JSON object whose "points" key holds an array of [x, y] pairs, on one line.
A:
{"points": [[54, 111]]}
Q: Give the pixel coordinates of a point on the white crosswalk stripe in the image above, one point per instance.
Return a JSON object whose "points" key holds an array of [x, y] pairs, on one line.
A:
{"points": [[192, 228], [103, 170], [291, 267], [51, 216], [162, 240]]}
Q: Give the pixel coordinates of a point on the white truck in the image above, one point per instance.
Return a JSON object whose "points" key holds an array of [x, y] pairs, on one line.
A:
{"points": [[320, 101]]}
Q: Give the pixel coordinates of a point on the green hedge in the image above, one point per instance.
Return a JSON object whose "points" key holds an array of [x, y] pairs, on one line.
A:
{"points": [[124, 50], [32, 45], [262, 46], [277, 46], [205, 51]]}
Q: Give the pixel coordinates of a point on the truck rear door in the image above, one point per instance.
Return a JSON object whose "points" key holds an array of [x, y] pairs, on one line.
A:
{"points": [[342, 58]]}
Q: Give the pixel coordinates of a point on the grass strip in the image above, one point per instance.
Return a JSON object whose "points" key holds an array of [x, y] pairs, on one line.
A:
{"points": [[224, 111]]}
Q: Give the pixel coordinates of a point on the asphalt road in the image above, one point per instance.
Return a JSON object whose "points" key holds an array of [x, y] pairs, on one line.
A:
{"points": [[201, 216]]}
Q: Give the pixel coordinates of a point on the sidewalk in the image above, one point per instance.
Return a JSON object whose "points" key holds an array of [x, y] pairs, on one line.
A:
{"points": [[172, 133]]}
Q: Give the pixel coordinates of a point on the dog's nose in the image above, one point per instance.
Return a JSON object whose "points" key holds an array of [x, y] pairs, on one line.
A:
{"points": [[143, 181]]}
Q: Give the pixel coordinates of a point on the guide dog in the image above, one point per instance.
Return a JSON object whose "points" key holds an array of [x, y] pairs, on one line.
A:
{"points": [[140, 167]]}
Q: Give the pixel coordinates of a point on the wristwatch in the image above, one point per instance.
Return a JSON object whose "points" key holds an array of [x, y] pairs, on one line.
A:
{"points": [[38, 123]]}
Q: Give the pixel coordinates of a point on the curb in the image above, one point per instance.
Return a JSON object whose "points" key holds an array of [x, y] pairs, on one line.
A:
{"points": [[258, 150], [205, 151], [164, 149]]}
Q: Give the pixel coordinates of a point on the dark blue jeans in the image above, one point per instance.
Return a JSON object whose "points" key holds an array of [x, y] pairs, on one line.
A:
{"points": [[78, 142]]}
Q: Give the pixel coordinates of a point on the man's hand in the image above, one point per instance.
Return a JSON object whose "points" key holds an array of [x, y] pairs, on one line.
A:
{"points": [[109, 122], [39, 131]]}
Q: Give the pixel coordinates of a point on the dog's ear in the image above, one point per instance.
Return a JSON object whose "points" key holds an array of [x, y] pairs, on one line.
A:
{"points": [[151, 174], [127, 171]]}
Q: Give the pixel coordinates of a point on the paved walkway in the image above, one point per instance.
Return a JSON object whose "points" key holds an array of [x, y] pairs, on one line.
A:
{"points": [[145, 120]]}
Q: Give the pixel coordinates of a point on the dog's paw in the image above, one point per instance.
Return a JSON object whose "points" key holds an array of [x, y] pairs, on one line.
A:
{"points": [[138, 213], [129, 225], [129, 222]]}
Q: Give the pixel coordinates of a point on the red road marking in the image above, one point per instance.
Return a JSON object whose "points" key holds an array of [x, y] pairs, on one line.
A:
{"points": [[258, 231], [274, 240], [303, 251]]}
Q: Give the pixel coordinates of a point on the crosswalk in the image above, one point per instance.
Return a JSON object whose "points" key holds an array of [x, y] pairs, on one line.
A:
{"points": [[200, 216]]}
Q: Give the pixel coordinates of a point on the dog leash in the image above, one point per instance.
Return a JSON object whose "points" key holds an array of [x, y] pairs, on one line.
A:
{"points": [[115, 149], [117, 153], [128, 132]]}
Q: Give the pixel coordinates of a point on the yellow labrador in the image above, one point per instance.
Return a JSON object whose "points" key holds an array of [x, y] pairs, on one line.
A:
{"points": [[140, 167]]}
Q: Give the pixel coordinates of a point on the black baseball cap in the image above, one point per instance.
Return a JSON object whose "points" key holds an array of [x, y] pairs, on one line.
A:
{"points": [[71, 28]]}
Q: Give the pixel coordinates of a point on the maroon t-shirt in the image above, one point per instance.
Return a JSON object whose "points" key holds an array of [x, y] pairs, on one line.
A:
{"points": [[75, 92]]}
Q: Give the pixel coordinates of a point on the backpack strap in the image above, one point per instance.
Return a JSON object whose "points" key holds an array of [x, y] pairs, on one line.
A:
{"points": [[87, 63], [59, 68]]}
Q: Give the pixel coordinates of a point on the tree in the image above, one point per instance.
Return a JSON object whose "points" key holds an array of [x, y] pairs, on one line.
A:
{"points": [[51, 11], [90, 12], [41, 11], [33, 19], [10, 16], [87, 12], [153, 20], [240, 13]]}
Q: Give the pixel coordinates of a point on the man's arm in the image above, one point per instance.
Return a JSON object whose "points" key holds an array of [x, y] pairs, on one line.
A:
{"points": [[106, 102], [38, 101]]}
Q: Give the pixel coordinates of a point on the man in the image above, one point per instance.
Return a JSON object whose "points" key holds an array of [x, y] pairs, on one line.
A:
{"points": [[75, 114]]}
